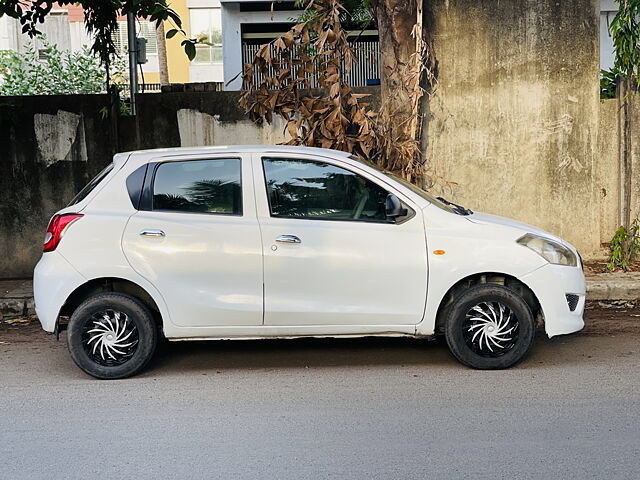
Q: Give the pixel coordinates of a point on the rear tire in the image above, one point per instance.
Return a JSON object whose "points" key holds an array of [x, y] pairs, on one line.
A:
{"points": [[489, 327], [111, 336]]}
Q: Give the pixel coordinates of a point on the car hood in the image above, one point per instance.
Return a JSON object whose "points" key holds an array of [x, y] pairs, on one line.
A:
{"points": [[488, 219]]}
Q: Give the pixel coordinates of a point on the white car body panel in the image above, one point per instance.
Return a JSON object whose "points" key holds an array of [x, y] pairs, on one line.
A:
{"points": [[210, 286], [214, 261], [340, 274], [52, 295]]}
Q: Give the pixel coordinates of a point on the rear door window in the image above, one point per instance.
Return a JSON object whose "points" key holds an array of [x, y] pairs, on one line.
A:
{"points": [[199, 186]]}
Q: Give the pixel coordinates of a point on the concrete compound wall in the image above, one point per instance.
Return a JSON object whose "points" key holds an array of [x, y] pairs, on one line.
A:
{"points": [[51, 146], [514, 117], [515, 128]]}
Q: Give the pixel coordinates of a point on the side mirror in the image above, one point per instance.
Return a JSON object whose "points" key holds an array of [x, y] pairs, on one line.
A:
{"points": [[393, 207]]}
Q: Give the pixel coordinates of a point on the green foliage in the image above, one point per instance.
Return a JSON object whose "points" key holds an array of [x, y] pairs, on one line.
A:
{"points": [[358, 14], [625, 31], [189, 49], [609, 82], [60, 73], [100, 18], [625, 247]]}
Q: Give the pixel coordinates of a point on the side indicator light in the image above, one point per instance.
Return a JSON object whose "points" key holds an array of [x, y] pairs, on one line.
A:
{"points": [[438, 252]]}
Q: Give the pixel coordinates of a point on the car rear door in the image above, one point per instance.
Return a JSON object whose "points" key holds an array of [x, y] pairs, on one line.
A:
{"points": [[196, 239], [331, 256]]}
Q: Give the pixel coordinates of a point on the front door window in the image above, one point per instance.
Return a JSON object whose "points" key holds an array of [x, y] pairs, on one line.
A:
{"points": [[321, 191]]}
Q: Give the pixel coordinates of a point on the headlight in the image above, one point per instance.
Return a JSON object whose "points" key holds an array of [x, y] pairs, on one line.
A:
{"points": [[551, 251]]}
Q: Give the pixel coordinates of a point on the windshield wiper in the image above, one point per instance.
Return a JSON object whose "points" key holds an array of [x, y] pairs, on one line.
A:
{"points": [[458, 208]]}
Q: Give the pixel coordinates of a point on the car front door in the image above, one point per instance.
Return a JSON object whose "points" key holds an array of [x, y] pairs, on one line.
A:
{"points": [[196, 239], [331, 255]]}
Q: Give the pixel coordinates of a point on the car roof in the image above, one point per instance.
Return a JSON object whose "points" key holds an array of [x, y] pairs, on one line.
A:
{"points": [[163, 152]]}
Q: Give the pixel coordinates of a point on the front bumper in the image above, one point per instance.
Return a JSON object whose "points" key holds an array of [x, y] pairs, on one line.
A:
{"points": [[551, 284], [54, 279]]}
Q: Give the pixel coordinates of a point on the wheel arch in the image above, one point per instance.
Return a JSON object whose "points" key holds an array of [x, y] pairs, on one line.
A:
{"points": [[110, 284], [495, 278]]}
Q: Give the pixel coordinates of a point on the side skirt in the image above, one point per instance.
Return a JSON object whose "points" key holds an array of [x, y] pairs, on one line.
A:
{"points": [[281, 332]]}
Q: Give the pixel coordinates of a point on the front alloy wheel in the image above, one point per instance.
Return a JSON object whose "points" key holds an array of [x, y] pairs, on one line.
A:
{"points": [[489, 327]]}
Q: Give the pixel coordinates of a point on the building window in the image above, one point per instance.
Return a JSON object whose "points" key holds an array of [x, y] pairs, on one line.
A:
{"points": [[206, 27], [144, 29]]}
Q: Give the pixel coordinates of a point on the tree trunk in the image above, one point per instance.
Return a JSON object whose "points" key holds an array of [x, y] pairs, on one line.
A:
{"points": [[162, 55], [404, 64]]}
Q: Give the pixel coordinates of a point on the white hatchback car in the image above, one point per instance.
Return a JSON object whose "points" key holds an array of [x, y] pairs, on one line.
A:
{"points": [[282, 242]]}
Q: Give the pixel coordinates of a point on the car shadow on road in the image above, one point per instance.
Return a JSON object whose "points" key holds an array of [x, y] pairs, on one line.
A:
{"points": [[176, 357], [299, 353]]}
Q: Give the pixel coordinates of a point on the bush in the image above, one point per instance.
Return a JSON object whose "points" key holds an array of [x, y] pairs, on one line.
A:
{"points": [[625, 247], [58, 73], [609, 82]]}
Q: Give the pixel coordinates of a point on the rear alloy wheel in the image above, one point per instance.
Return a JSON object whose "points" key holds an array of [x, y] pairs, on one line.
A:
{"points": [[112, 336], [489, 327]]}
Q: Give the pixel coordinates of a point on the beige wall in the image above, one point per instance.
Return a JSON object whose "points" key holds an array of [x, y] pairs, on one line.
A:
{"points": [[634, 159], [177, 61], [608, 174], [514, 117]]}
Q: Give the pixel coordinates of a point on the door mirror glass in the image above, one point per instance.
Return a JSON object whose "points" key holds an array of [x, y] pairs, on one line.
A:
{"points": [[394, 207]]}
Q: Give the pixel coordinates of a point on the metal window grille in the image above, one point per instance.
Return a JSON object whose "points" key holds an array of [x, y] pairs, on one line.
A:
{"points": [[363, 72]]}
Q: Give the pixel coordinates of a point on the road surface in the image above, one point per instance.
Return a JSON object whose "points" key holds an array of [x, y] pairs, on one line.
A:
{"points": [[316, 409]]}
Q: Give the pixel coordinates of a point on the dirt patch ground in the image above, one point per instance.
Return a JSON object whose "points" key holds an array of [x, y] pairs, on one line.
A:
{"points": [[601, 267]]}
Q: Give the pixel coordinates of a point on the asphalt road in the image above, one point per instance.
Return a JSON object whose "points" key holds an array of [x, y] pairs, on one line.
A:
{"points": [[315, 409]]}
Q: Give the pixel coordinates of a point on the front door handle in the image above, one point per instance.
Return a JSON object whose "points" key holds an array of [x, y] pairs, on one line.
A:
{"points": [[152, 232], [288, 239]]}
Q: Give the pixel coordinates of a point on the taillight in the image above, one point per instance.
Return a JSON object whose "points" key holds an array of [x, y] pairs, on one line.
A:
{"points": [[57, 226]]}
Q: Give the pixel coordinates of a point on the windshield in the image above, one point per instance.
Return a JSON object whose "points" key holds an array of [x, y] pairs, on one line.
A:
{"points": [[414, 188], [423, 193]]}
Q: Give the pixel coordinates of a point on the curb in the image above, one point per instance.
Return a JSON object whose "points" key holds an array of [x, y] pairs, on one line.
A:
{"points": [[613, 286], [16, 307]]}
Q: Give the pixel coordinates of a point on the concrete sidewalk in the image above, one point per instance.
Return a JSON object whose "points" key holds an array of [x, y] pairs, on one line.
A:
{"points": [[16, 296]]}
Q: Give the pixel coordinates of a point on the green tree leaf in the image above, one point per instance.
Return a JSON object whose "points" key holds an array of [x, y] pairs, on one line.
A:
{"points": [[189, 48]]}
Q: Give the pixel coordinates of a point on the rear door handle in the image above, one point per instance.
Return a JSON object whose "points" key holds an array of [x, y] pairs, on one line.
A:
{"points": [[152, 232], [288, 239]]}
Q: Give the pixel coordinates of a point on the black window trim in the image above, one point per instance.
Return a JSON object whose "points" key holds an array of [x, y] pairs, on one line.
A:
{"points": [[146, 200], [136, 190], [283, 156]]}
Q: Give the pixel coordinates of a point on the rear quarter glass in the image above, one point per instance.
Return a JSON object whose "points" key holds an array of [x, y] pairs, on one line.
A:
{"points": [[89, 187]]}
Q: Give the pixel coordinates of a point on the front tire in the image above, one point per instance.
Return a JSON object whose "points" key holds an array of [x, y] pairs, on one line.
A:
{"points": [[489, 327], [111, 336]]}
